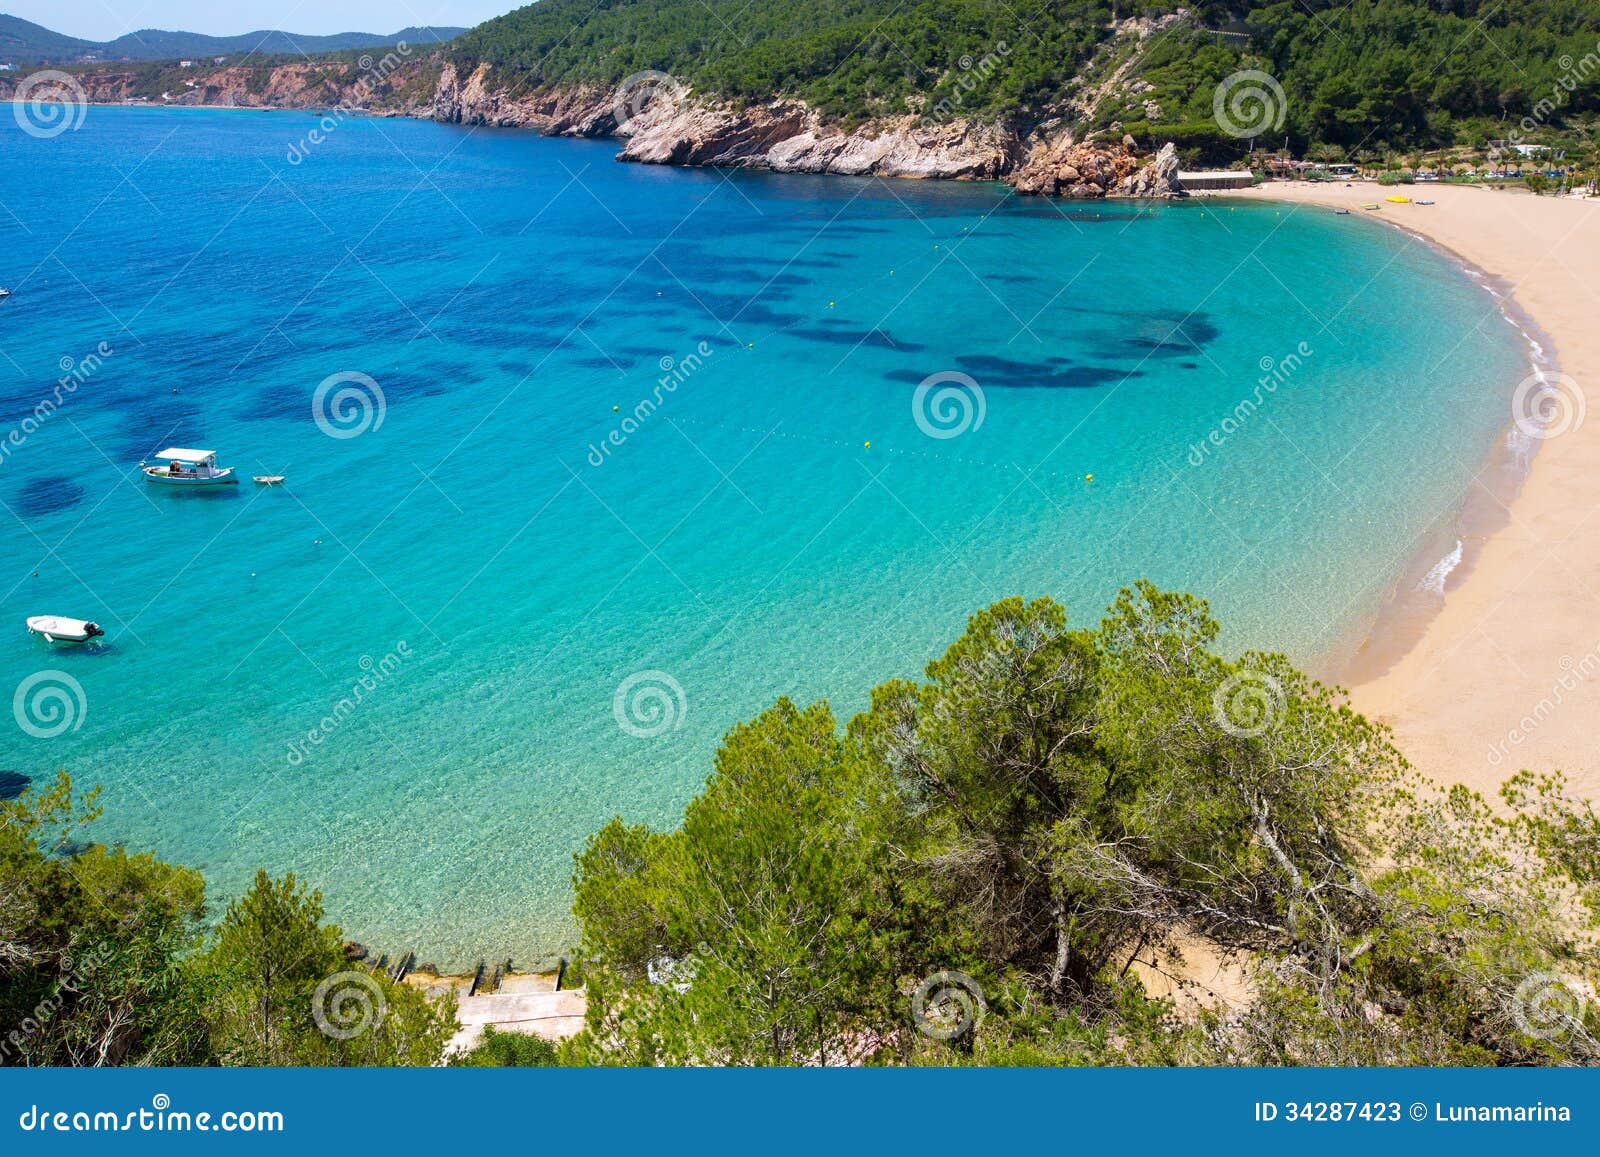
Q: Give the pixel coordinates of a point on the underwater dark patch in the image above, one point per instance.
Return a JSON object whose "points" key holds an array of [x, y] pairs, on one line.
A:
{"points": [[13, 784], [48, 496], [874, 338], [1008, 374], [619, 365]]}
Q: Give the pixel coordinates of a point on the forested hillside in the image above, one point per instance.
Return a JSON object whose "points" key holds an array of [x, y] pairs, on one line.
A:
{"points": [[22, 40], [1400, 72]]}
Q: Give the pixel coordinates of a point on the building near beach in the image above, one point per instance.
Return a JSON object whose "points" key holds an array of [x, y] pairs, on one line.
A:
{"points": [[1201, 182]]}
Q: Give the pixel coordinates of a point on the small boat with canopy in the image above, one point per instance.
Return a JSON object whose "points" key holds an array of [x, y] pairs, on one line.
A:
{"points": [[176, 466]]}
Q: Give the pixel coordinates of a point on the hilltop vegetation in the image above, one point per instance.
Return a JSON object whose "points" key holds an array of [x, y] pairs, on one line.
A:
{"points": [[993, 865], [25, 41], [1356, 73]]}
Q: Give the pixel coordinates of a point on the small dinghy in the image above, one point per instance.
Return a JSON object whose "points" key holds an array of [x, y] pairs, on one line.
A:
{"points": [[60, 629], [268, 479], [1341, 212]]}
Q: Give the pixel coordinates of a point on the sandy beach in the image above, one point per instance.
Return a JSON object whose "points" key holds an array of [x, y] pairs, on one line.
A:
{"points": [[1507, 674]]}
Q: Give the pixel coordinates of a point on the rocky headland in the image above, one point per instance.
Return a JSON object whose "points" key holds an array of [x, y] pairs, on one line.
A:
{"points": [[659, 121]]}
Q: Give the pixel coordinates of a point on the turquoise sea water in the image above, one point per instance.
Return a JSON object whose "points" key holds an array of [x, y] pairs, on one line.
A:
{"points": [[505, 550]]}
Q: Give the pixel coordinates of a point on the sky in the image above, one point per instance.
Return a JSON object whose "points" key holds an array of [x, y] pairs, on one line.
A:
{"points": [[109, 19]]}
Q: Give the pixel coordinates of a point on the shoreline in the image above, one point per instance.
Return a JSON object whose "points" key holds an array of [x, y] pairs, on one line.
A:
{"points": [[1498, 667]]}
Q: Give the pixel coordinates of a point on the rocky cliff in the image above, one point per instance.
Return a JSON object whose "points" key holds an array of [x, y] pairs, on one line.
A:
{"points": [[389, 83], [660, 122]]}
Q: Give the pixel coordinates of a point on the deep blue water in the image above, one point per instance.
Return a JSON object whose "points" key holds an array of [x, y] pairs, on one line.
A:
{"points": [[504, 551]]}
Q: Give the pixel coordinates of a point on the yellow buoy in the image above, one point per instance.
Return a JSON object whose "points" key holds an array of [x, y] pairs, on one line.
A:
{"points": [[830, 305], [867, 445], [614, 409], [1088, 477]]}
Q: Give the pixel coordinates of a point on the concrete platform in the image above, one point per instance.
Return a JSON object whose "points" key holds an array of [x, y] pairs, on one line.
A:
{"points": [[551, 1015]]}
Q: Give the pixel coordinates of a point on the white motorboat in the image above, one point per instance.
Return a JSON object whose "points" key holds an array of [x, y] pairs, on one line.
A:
{"points": [[60, 629], [176, 466], [269, 479]]}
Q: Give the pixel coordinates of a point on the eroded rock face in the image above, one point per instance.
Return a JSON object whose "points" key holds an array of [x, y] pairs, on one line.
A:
{"points": [[788, 137], [1158, 178], [396, 86], [1059, 166], [566, 112], [669, 125]]}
